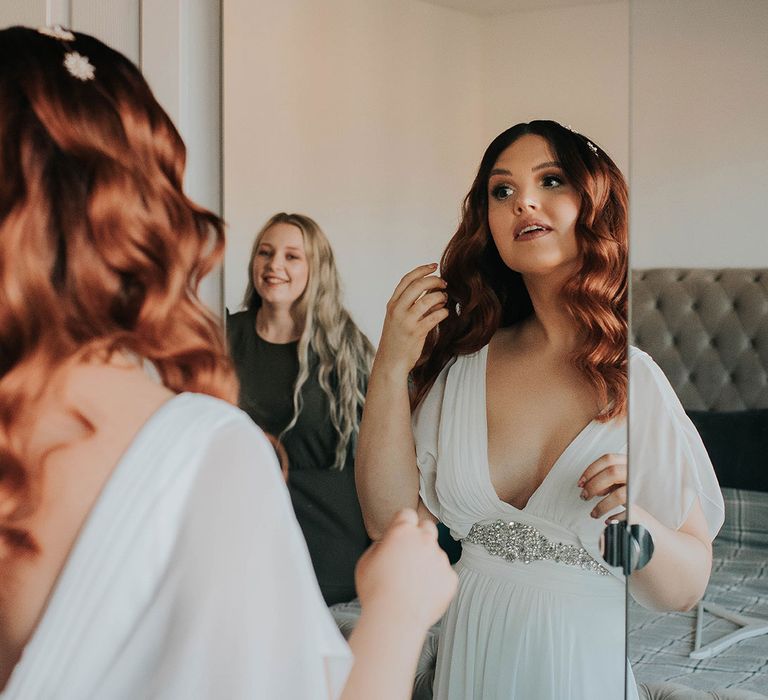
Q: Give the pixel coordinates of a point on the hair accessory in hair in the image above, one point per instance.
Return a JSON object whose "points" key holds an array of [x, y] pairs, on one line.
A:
{"points": [[591, 146], [57, 32], [79, 66]]}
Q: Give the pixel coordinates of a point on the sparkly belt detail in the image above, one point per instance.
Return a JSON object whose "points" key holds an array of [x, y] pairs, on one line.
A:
{"points": [[518, 542]]}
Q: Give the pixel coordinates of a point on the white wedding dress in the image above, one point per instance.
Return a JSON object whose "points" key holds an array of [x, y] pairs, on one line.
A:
{"points": [[190, 579], [546, 630]]}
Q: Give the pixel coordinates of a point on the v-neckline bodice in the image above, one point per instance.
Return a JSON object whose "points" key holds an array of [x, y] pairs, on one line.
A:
{"points": [[483, 437]]}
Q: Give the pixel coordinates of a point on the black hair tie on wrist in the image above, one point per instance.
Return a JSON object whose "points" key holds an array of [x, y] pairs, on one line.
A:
{"points": [[630, 547]]}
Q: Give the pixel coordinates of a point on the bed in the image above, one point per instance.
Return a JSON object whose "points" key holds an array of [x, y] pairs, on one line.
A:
{"points": [[708, 330]]}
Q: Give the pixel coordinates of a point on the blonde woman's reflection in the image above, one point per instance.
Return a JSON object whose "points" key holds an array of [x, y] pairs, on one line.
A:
{"points": [[518, 361], [303, 367]]}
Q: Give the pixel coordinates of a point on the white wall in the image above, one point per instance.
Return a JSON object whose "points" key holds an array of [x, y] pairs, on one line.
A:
{"points": [[30, 13], [570, 64], [372, 116], [181, 59], [699, 133], [366, 116]]}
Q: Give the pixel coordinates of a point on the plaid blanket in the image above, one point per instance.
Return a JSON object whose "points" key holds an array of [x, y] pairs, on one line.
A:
{"points": [[659, 643]]}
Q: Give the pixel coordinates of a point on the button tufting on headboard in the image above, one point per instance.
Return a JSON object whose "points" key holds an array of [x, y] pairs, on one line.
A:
{"points": [[708, 330]]}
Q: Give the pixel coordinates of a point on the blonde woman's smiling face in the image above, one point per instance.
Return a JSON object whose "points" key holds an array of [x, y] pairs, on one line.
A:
{"points": [[280, 267], [533, 209]]}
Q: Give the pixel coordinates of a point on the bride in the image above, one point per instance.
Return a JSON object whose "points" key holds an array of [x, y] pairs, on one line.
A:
{"points": [[517, 357], [148, 548]]}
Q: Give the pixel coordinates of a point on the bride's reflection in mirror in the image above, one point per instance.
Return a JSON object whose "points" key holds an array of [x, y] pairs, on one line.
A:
{"points": [[371, 117], [517, 356]]}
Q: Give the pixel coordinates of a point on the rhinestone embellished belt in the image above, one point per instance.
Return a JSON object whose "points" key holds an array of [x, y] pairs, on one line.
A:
{"points": [[518, 542]]}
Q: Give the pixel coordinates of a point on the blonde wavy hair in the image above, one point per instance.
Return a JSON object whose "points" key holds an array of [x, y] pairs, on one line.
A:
{"points": [[342, 350]]}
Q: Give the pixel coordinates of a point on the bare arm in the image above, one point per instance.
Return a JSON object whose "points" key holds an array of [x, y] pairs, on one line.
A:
{"points": [[385, 469], [405, 583], [386, 654], [677, 575]]}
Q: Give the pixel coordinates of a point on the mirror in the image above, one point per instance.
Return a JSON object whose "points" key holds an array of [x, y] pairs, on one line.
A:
{"points": [[699, 162], [371, 117]]}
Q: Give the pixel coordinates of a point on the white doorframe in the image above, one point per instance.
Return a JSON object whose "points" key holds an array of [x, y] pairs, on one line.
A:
{"points": [[181, 59]]}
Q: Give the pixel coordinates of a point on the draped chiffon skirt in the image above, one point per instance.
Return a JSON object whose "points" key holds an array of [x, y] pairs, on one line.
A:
{"points": [[538, 631]]}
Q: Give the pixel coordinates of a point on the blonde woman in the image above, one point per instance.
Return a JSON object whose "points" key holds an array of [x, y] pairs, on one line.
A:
{"points": [[303, 367]]}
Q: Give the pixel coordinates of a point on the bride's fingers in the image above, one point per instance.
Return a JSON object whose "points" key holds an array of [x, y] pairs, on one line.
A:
{"points": [[429, 321], [611, 501], [420, 271], [413, 297], [428, 528], [430, 301], [604, 481], [607, 460], [603, 484], [406, 516]]}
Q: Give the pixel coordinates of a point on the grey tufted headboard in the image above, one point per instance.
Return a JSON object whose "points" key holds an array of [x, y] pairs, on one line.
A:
{"points": [[708, 330]]}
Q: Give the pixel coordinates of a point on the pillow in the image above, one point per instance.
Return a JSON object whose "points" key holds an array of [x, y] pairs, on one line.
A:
{"points": [[737, 443]]}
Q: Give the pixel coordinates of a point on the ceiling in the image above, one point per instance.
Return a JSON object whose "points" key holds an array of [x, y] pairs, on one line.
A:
{"points": [[490, 8]]}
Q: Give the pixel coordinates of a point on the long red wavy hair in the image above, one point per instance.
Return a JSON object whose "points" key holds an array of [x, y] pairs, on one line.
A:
{"points": [[484, 294], [100, 249]]}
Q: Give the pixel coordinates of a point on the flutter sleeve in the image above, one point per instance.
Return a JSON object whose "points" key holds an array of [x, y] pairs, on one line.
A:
{"points": [[426, 432], [250, 619], [669, 468]]}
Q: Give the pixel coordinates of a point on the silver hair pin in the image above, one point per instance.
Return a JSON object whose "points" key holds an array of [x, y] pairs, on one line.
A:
{"points": [[79, 66], [57, 32], [591, 146]]}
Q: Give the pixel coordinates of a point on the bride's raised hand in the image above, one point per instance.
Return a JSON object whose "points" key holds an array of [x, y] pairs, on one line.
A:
{"points": [[416, 307], [386, 473]]}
